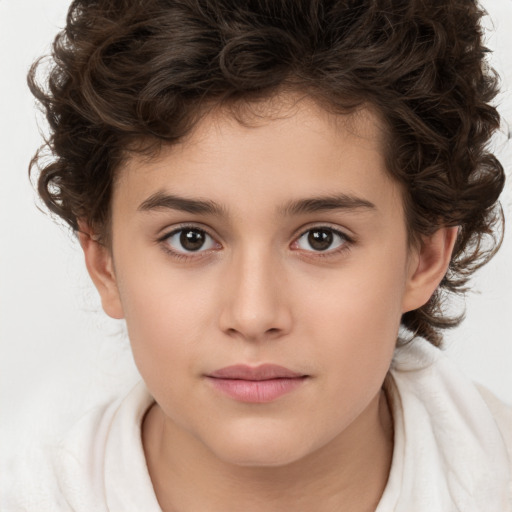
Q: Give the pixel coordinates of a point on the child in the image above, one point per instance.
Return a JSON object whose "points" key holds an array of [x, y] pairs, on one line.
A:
{"points": [[266, 191]]}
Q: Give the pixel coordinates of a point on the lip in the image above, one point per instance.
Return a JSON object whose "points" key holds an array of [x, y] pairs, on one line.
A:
{"points": [[260, 372], [259, 384]]}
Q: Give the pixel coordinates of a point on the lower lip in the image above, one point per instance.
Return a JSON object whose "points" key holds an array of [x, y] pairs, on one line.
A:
{"points": [[256, 391]]}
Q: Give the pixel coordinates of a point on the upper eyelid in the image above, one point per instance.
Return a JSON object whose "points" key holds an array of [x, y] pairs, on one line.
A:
{"points": [[167, 232], [336, 229]]}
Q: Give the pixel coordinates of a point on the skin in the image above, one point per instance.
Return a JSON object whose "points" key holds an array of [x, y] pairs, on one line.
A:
{"points": [[259, 292]]}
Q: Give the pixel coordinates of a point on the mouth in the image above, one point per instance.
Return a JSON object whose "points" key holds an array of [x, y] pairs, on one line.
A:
{"points": [[260, 384]]}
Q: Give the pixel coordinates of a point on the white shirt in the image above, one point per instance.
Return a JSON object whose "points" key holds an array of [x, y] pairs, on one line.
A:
{"points": [[452, 449]]}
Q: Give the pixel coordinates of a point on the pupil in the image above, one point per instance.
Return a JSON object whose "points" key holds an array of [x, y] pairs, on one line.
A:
{"points": [[192, 240], [320, 239]]}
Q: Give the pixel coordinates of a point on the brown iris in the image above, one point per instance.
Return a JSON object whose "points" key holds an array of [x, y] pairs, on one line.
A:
{"points": [[192, 239], [320, 239]]}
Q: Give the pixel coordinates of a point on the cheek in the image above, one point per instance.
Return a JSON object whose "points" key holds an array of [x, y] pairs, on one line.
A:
{"points": [[363, 296], [166, 316], [355, 317]]}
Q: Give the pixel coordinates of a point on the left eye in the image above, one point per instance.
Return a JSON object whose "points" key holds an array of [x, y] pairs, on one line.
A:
{"points": [[190, 240], [321, 239]]}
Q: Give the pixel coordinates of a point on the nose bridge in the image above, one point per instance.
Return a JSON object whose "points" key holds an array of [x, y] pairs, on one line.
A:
{"points": [[255, 304]]}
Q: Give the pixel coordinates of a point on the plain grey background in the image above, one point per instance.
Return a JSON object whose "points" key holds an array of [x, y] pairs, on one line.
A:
{"points": [[59, 354]]}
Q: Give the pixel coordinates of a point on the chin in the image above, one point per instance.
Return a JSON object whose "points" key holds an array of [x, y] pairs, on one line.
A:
{"points": [[260, 458], [259, 448]]}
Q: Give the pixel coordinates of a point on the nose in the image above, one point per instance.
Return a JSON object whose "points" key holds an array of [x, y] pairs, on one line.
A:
{"points": [[255, 305]]}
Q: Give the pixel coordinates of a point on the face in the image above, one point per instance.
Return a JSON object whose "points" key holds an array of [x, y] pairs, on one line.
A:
{"points": [[262, 271]]}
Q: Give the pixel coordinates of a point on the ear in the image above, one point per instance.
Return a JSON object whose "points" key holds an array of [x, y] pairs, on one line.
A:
{"points": [[99, 263], [428, 265]]}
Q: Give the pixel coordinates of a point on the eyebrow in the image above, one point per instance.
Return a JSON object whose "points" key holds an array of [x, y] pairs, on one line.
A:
{"points": [[164, 201], [326, 203]]}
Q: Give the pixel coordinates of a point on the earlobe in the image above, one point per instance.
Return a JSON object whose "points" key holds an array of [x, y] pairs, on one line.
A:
{"points": [[98, 260], [428, 267]]}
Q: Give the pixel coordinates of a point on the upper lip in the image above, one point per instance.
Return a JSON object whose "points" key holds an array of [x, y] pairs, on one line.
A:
{"points": [[261, 372]]}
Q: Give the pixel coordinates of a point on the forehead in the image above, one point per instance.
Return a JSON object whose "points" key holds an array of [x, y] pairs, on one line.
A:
{"points": [[277, 151]]}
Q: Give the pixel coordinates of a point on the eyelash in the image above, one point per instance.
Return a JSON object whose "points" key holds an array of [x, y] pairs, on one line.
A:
{"points": [[345, 245], [183, 256]]}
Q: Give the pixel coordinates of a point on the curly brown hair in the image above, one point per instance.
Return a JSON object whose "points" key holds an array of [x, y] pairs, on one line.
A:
{"points": [[126, 71]]}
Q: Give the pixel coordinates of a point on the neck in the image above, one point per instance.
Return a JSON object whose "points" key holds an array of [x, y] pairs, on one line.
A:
{"points": [[349, 473]]}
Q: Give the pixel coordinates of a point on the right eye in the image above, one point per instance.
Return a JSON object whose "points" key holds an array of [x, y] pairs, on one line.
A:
{"points": [[189, 240]]}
